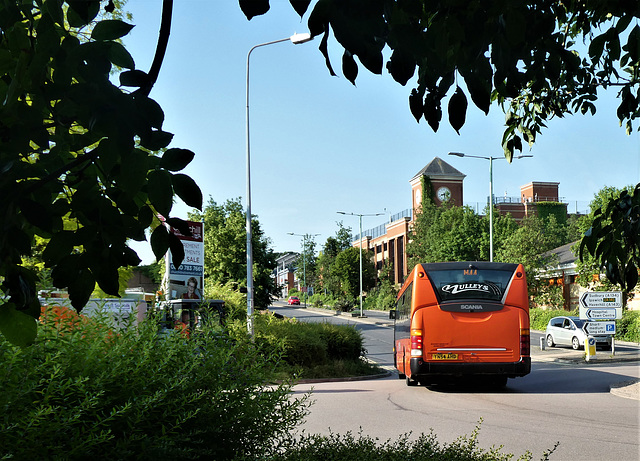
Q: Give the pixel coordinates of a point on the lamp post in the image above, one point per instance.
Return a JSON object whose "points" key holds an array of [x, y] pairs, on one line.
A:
{"points": [[295, 39], [304, 262], [491, 159], [360, 225]]}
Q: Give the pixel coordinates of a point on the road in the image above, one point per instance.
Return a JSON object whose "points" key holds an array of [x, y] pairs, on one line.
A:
{"points": [[566, 402]]}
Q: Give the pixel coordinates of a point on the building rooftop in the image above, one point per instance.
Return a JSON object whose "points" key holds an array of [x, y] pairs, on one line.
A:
{"points": [[439, 168]]}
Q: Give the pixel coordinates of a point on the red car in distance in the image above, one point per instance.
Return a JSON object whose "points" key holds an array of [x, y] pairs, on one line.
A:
{"points": [[293, 300]]}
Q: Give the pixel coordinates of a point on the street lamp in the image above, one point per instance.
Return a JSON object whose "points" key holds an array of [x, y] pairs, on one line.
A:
{"points": [[304, 262], [360, 222], [295, 39], [491, 159]]}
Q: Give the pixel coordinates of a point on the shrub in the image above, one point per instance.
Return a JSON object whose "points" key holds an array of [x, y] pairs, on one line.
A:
{"points": [[538, 318], [296, 342], [307, 345], [89, 391], [349, 447], [321, 300], [628, 328], [344, 305], [381, 297], [344, 342], [235, 303], [550, 297]]}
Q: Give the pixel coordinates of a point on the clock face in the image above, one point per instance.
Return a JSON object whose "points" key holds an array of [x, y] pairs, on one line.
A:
{"points": [[443, 194], [418, 196]]}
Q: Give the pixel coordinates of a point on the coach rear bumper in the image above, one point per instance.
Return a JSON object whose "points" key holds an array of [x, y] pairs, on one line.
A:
{"points": [[510, 369]]}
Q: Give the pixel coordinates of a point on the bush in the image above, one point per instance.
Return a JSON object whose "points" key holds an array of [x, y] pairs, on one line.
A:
{"points": [[84, 390], [344, 342], [235, 303], [381, 297], [308, 345], [321, 300], [628, 328], [298, 344], [344, 305], [349, 447], [550, 297], [538, 318]]}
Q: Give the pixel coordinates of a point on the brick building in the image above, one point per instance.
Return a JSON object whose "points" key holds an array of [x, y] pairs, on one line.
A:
{"points": [[388, 241]]}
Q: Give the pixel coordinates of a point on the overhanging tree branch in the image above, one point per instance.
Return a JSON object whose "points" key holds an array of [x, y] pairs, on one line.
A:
{"points": [[161, 48]]}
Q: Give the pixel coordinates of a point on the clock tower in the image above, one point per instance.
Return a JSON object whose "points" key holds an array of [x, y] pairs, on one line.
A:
{"points": [[446, 184]]}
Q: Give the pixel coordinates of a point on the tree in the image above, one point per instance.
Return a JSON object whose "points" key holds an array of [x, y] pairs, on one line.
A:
{"points": [[537, 59], [346, 269], [76, 147], [225, 256], [326, 280], [446, 234], [306, 262], [528, 244], [613, 240]]}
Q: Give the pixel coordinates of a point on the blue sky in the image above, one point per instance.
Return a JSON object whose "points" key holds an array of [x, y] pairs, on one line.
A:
{"points": [[320, 145]]}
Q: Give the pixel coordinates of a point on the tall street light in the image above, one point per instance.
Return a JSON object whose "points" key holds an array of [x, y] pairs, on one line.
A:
{"points": [[304, 262], [295, 39], [491, 159], [360, 222]]}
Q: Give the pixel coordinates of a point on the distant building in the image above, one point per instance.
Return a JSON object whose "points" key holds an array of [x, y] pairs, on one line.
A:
{"points": [[563, 272], [388, 241], [285, 273]]}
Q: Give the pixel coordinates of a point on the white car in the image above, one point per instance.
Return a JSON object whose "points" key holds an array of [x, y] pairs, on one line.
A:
{"points": [[568, 331]]}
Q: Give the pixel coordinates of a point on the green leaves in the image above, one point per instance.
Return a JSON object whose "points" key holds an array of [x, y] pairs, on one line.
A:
{"points": [[160, 241], [176, 159], [433, 111], [79, 171], [401, 66], [160, 191], [252, 8], [300, 6], [110, 30], [349, 67], [187, 190], [18, 327], [614, 239], [163, 240], [457, 109], [524, 56]]}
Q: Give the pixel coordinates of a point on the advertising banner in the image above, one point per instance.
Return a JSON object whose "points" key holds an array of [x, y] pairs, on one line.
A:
{"points": [[187, 280]]}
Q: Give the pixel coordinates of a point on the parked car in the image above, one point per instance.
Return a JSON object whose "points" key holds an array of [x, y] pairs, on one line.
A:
{"points": [[293, 300], [568, 331]]}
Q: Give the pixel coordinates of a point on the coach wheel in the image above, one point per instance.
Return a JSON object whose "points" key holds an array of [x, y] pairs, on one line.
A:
{"points": [[550, 342]]}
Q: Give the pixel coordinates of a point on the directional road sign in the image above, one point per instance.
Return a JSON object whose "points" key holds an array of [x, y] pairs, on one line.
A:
{"points": [[601, 305], [599, 328]]}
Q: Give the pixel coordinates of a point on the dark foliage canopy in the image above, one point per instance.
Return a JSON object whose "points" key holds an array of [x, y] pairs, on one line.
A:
{"points": [[538, 59], [77, 158]]}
